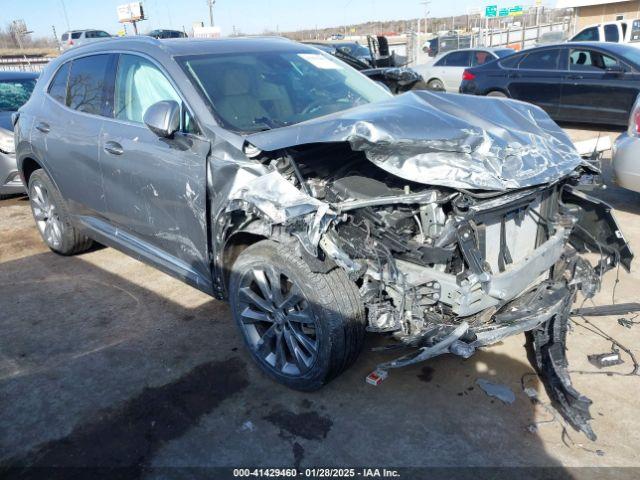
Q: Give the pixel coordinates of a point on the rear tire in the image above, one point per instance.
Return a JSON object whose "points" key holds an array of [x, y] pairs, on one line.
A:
{"points": [[436, 84], [302, 328], [52, 217], [497, 94]]}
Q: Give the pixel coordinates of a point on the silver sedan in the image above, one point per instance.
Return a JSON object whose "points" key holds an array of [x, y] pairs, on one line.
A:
{"points": [[626, 153]]}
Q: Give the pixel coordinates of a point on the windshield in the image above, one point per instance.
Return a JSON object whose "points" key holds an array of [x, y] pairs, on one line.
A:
{"points": [[251, 92], [15, 93]]}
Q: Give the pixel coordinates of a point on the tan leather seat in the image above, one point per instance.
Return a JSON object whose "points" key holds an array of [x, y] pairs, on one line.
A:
{"points": [[239, 105]]}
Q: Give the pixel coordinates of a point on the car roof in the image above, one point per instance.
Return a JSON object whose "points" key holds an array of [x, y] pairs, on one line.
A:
{"points": [[483, 49], [13, 75], [189, 46]]}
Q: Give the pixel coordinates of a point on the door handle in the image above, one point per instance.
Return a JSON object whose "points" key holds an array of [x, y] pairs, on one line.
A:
{"points": [[515, 75], [43, 127], [114, 148], [575, 77]]}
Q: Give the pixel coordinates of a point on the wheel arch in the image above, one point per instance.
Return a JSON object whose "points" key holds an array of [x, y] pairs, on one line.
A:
{"points": [[28, 165]]}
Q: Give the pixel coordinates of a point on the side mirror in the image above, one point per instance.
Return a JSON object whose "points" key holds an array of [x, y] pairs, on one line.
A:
{"points": [[163, 118]]}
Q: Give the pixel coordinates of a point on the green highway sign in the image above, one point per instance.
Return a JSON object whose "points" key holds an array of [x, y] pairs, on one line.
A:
{"points": [[503, 12], [491, 11], [515, 11]]}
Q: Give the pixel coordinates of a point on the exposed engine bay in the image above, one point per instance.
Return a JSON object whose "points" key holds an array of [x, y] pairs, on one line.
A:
{"points": [[442, 268]]}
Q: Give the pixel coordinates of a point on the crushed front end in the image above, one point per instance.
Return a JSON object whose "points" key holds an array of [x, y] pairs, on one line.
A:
{"points": [[457, 235], [451, 272]]}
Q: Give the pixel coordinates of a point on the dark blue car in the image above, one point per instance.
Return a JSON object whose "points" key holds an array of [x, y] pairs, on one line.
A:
{"points": [[587, 82]]}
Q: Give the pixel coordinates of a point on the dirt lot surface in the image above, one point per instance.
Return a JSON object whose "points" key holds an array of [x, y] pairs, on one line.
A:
{"points": [[106, 361]]}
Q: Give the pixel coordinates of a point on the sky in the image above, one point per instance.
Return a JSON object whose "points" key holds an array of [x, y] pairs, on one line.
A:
{"points": [[248, 16]]}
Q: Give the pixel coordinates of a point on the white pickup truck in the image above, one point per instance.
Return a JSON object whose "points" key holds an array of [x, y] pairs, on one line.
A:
{"points": [[620, 31]]}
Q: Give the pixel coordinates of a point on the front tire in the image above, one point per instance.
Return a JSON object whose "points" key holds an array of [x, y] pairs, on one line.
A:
{"points": [[52, 218], [302, 328]]}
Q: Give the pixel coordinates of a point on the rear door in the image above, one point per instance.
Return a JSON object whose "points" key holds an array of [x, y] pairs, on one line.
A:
{"points": [[155, 188], [537, 79], [597, 87], [67, 129], [451, 68]]}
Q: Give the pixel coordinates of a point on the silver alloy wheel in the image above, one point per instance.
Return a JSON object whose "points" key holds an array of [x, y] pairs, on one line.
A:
{"points": [[45, 214], [277, 321]]}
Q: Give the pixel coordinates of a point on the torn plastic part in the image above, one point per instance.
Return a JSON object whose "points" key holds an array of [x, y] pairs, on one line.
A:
{"points": [[424, 353], [546, 346], [276, 197], [458, 141]]}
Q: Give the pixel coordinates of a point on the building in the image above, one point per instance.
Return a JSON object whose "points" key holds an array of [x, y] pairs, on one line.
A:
{"points": [[588, 12]]}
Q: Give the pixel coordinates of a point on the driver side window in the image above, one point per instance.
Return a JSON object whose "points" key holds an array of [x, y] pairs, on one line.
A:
{"points": [[139, 84]]}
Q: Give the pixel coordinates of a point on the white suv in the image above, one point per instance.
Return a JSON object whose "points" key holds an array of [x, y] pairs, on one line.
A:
{"points": [[74, 38]]}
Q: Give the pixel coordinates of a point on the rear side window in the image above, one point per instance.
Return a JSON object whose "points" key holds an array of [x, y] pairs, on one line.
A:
{"points": [[611, 33], [587, 35], [456, 59], [511, 61], [479, 58], [91, 84], [58, 86], [76, 35], [543, 60]]}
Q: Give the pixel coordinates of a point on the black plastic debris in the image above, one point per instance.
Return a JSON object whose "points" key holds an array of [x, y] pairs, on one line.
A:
{"points": [[626, 322]]}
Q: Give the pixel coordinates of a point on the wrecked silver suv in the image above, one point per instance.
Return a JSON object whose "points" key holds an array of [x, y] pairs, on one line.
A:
{"points": [[273, 175]]}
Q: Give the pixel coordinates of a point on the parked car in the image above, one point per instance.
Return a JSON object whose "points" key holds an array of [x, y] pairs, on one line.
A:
{"points": [[396, 79], [590, 82], [15, 90], [446, 43], [445, 72], [616, 32], [554, 36], [354, 49], [626, 152], [74, 38], [162, 33], [268, 173]]}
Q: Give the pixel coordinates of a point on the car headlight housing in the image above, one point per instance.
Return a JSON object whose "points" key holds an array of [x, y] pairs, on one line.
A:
{"points": [[7, 144]]}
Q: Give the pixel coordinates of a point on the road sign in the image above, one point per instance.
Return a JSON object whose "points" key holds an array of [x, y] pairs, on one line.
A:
{"points": [[491, 11], [516, 11], [503, 12]]}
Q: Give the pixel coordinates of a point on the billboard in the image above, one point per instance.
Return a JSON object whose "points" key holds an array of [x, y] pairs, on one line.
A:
{"points": [[130, 12]]}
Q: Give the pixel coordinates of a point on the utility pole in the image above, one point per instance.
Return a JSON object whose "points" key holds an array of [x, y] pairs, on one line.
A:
{"points": [[66, 17], [211, 4], [426, 14]]}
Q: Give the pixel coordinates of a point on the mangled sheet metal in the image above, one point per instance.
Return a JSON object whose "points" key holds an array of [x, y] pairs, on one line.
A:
{"points": [[457, 141]]}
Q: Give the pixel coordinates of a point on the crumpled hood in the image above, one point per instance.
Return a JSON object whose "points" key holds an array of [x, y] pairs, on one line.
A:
{"points": [[451, 140]]}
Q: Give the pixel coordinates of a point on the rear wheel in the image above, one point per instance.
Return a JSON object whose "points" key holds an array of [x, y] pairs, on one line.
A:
{"points": [[436, 84], [52, 218], [302, 328]]}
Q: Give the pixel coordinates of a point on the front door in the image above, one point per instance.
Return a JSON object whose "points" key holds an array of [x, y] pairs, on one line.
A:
{"points": [[155, 187], [597, 88]]}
